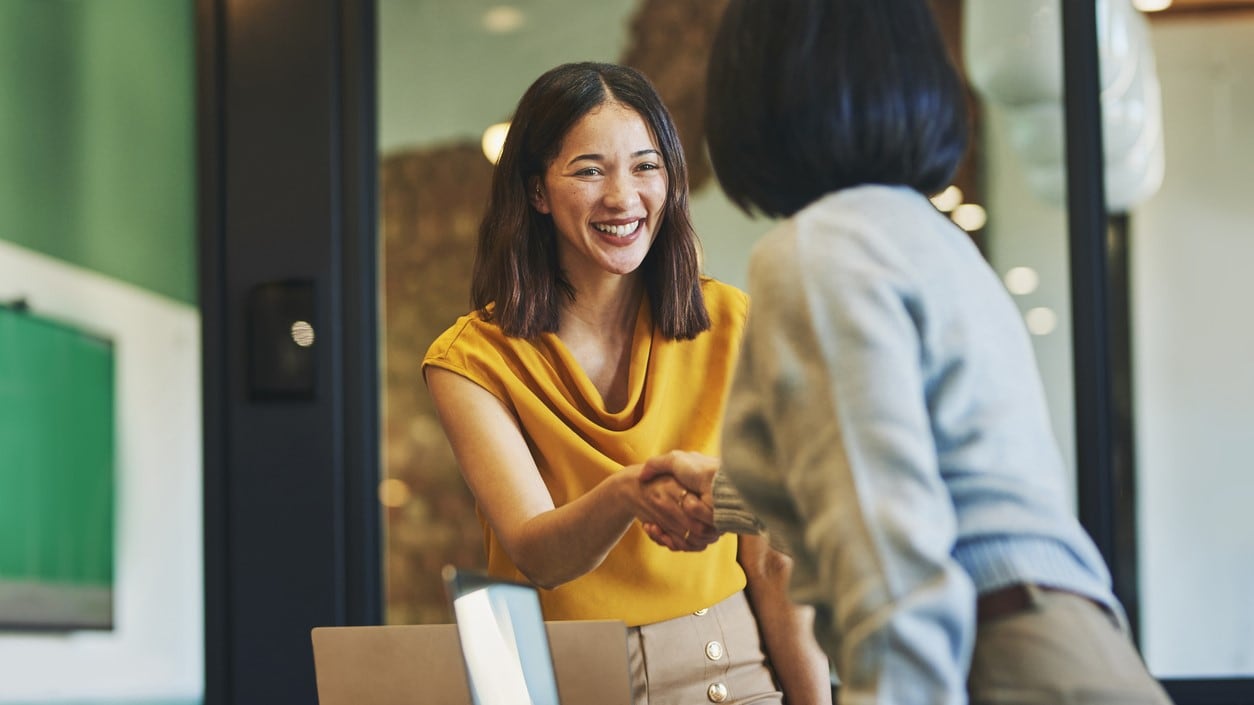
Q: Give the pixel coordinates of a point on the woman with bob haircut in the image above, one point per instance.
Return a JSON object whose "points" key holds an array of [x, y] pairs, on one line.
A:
{"points": [[886, 421], [595, 343]]}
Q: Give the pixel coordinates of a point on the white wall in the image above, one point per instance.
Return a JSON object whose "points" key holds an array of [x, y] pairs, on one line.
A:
{"points": [[1193, 246], [156, 647]]}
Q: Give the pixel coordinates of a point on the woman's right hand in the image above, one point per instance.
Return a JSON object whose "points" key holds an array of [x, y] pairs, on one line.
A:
{"points": [[677, 487]]}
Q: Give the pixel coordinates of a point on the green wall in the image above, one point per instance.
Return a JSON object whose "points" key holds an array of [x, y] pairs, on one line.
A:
{"points": [[97, 136]]}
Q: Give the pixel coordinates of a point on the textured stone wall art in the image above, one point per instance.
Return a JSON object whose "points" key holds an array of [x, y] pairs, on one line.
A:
{"points": [[670, 43], [431, 200]]}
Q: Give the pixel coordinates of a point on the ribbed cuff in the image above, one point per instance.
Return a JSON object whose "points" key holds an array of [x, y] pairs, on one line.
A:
{"points": [[730, 512]]}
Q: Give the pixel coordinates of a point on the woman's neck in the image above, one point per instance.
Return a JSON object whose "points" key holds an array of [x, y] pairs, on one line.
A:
{"points": [[598, 330], [606, 307]]}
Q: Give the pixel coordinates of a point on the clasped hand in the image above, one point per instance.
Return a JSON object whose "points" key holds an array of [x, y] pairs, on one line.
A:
{"points": [[677, 488]]}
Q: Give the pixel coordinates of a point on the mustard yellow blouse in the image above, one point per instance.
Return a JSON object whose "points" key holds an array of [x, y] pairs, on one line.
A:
{"points": [[676, 396]]}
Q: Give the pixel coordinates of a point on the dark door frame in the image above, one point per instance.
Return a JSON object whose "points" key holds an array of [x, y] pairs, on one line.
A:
{"points": [[287, 152]]}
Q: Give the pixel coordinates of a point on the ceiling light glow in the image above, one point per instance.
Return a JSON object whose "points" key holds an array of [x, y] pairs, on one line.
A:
{"points": [[1151, 5], [503, 19]]}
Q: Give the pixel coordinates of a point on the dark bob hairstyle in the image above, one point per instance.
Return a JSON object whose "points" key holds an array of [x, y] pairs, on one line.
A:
{"points": [[806, 97], [516, 266]]}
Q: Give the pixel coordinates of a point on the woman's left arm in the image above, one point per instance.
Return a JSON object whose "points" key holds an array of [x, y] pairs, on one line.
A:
{"points": [[787, 629]]}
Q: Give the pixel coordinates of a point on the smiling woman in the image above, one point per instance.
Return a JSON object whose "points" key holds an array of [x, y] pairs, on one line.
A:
{"points": [[434, 184], [567, 128], [594, 345], [605, 190]]}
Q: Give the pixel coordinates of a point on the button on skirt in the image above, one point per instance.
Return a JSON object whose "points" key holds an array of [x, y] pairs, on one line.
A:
{"points": [[711, 656]]}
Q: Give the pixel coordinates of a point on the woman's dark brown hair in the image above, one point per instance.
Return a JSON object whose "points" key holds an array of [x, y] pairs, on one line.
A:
{"points": [[516, 266]]}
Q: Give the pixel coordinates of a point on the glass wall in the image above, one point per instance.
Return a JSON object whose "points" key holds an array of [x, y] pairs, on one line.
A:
{"points": [[450, 71], [1187, 239]]}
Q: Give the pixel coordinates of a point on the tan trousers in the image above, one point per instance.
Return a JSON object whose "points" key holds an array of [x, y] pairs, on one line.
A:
{"points": [[1060, 650], [712, 656]]}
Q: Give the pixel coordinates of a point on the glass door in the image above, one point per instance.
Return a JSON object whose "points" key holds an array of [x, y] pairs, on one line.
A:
{"points": [[449, 77], [450, 73]]}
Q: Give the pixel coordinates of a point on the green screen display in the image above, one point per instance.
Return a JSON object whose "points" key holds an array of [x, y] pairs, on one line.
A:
{"points": [[56, 475]]}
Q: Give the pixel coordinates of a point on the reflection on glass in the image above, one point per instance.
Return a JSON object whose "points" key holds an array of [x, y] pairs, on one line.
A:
{"points": [[1012, 54]]}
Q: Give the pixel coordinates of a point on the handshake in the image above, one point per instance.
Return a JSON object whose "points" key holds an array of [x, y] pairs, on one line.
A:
{"points": [[676, 504]]}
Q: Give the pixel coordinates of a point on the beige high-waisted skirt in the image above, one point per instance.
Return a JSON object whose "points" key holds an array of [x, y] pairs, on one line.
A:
{"points": [[711, 656]]}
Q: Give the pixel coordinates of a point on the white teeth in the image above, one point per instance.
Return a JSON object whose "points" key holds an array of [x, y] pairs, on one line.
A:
{"points": [[617, 230]]}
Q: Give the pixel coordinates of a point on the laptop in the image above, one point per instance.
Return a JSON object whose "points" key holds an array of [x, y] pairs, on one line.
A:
{"points": [[424, 664]]}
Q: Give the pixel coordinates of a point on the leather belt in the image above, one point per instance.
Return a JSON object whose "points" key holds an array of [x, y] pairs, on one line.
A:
{"points": [[1016, 598]]}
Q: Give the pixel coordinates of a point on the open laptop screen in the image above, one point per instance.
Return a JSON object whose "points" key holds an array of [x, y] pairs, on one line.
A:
{"points": [[503, 641]]}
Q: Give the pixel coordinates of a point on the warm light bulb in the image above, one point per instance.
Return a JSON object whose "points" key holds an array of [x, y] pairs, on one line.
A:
{"points": [[494, 140], [1041, 320], [1151, 5], [394, 493], [948, 199], [970, 217], [1021, 280]]}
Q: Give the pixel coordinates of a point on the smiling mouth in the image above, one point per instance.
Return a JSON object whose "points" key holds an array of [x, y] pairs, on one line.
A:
{"points": [[619, 230]]}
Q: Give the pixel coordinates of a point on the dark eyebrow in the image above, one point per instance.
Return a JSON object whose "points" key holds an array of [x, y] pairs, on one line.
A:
{"points": [[600, 157]]}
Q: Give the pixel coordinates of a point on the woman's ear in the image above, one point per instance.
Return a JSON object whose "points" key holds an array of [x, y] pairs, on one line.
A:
{"points": [[536, 196]]}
